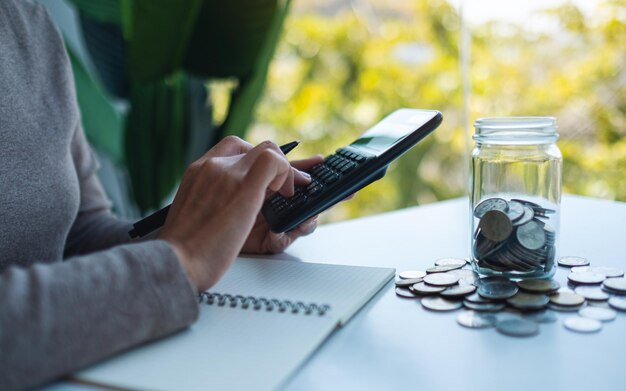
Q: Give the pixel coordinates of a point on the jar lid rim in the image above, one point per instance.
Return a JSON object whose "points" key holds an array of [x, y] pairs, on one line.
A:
{"points": [[526, 122]]}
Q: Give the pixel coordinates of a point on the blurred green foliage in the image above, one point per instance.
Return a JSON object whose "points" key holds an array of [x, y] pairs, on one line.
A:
{"points": [[336, 75]]}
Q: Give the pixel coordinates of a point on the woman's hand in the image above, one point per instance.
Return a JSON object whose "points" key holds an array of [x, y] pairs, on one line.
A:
{"points": [[217, 204], [262, 241]]}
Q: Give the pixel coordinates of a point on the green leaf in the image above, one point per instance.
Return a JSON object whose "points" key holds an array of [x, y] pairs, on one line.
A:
{"points": [[229, 36], [103, 11], [159, 36], [156, 137], [247, 95], [101, 121]]}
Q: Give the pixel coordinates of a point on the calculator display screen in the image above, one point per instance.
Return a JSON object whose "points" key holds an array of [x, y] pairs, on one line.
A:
{"points": [[392, 129]]}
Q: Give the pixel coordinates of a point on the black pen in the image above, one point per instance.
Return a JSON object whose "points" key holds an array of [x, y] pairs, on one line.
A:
{"points": [[156, 220]]}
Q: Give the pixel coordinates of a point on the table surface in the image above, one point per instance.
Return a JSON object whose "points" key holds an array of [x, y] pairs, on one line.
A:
{"points": [[393, 343]]}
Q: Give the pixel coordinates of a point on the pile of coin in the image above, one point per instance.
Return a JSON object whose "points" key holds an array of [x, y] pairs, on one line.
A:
{"points": [[517, 308], [513, 235]]}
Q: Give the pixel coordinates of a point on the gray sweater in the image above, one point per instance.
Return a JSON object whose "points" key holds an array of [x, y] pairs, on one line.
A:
{"points": [[73, 290]]}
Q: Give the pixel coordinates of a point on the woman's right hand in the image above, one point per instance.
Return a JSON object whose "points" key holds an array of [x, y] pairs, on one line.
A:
{"points": [[218, 201]]}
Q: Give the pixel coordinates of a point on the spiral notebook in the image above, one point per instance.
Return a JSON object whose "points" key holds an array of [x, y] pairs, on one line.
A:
{"points": [[256, 327]]}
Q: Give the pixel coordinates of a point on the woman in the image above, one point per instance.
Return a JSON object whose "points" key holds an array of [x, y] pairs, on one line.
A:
{"points": [[109, 293]]}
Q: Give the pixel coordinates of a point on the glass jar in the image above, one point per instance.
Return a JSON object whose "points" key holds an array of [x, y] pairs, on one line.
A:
{"points": [[515, 196]]}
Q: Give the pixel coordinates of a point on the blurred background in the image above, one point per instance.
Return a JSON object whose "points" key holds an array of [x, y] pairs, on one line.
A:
{"points": [[158, 85]]}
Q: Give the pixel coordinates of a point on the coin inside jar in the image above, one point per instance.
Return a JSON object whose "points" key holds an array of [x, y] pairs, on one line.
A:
{"points": [[531, 235], [496, 225], [490, 204]]}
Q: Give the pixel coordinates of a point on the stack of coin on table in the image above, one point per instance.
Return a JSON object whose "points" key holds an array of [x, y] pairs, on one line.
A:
{"points": [[513, 236], [517, 308]]}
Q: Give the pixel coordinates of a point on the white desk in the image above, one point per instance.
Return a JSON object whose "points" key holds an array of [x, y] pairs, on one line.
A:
{"points": [[395, 344]]}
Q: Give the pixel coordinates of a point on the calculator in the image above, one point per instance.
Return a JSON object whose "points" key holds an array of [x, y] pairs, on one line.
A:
{"points": [[351, 167]]}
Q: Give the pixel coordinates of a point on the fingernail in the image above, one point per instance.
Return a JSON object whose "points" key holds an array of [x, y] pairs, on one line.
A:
{"points": [[306, 175]]}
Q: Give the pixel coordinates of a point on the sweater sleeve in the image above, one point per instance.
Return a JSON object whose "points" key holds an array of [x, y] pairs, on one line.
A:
{"points": [[58, 318]]}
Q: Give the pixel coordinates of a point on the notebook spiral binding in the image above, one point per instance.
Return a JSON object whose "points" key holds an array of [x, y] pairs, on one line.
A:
{"points": [[261, 303]]}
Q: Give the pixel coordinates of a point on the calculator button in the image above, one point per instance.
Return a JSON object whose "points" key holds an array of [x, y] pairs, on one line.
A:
{"points": [[347, 167], [333, 178]]}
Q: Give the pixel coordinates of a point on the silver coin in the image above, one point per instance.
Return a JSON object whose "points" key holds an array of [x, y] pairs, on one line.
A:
{"points": [[617, 285], [597, 313], [450, 261], [582, 325], [490, 204], [516, 210], [441, 279], [474, 320], [458, 291], [525, 218], [591, 293], [484, 307], [424, 289], [586, 278], [565, 308], [609, 272], [496, 225], [517, 327], [498, 290], [531, 235], [408, 282], [442, 268], [476, 298], [544, 316], [567, 299], [539, 286], [619, 303], [440, 304], [410, 274], [404, 292], [573, 261], [528, 301], [466, 276]]}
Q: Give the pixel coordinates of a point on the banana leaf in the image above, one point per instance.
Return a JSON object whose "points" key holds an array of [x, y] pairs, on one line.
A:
{"points": [[102, 123], [156, 139]]}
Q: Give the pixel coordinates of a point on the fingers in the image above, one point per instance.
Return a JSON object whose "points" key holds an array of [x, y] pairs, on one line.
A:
{"points": [[300, 177], [266, 168], [229, 146], [307, 163]]}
